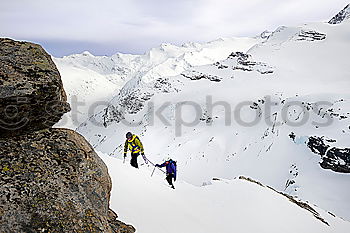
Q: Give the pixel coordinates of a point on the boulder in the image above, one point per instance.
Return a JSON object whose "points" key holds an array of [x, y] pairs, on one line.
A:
{"points": [[53, 181], [31, 91]]}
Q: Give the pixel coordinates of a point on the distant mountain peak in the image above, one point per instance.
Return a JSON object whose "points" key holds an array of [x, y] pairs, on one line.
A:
{"points": [[341, 16], [264, 35], [86, 53]]}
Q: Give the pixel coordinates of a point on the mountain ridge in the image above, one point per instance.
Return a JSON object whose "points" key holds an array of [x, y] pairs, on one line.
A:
{"points": [[342, 16]]}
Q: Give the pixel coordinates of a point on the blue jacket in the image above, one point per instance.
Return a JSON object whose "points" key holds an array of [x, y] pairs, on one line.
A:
{"points": [[170, 167]]}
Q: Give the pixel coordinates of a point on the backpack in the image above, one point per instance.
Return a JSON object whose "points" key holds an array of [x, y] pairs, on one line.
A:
{"points": [[173, 162]]}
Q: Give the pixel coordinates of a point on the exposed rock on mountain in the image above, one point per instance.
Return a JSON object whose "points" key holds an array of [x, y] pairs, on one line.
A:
{"points": [[336, 159], [317, 145], [265, 34], [51, 180], [341, 16], [311, 35], [194, 75], [31, 90], [132, 101], [244, 63], [223, 69]]}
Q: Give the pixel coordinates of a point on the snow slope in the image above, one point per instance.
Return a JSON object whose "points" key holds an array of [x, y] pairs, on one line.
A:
{"points": [[306, 65], [223, 206], [167, 95], [84, 87]]}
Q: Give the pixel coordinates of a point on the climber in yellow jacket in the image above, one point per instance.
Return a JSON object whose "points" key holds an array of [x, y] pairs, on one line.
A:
{"points": [[133, 144]]}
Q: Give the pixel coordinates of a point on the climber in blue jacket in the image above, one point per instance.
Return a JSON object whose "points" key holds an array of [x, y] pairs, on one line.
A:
{"points": [[170, 171]]}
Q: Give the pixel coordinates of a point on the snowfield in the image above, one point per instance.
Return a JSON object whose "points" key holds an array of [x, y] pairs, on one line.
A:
{"points": [[228, 108], [223, 206]]}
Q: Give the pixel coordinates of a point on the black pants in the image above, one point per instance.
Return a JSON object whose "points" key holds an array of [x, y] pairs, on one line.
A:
{"points": [[133, 160], [169, 178]]}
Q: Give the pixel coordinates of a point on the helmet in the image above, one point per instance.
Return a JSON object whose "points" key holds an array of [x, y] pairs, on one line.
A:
{"points": [[129, 135]]}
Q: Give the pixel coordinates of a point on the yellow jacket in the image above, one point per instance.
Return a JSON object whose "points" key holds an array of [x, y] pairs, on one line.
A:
{"points": [[134, 145]]}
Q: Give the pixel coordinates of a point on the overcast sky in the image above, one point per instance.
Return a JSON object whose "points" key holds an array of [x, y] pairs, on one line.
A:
{"points": [[105, 27]]}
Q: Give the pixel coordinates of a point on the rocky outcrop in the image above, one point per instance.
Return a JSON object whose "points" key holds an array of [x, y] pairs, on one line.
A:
{"points": [[310, 35], [333, 158], [337, 159], [265, 34], [317, 145], [341, 16], [195, 75], [245, 63], [31, 91], [51, 180], [235, 61]]}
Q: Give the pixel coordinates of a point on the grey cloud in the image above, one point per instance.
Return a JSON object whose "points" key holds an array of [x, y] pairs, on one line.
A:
{"points": [[108, 26], [171, 11]]}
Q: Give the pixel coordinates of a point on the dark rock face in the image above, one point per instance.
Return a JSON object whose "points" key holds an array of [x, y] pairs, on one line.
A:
{"points": [[195, 75], [317, 145], [337, 160], [53, 181], [31, 91], [341, 16], [333, 158], [245, 63], [311, 35]]}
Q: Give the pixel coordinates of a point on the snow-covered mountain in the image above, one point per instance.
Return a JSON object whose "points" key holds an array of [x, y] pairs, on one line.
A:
{"points": [[273, 109], [89, 79]]}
